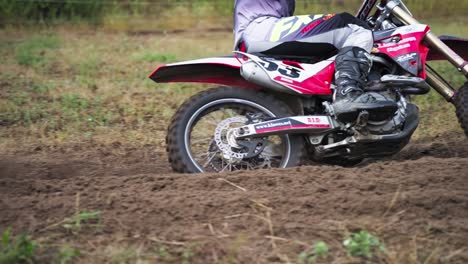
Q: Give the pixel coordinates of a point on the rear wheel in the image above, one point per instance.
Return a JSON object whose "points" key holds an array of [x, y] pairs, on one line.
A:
{"points": [[199, 138], [461, 105]]}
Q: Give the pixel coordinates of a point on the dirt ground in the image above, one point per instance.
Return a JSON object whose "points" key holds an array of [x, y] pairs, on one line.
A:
{"points": [[416, 203]]}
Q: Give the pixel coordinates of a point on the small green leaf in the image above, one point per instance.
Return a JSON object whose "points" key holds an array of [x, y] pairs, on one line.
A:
{"points": [[302, 257], [362, 244], [6, 238], [320, 249]]}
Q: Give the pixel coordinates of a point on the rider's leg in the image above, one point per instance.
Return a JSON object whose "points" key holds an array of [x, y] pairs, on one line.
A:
{"points": [[353, 64], [343, 31], [352, 67]]}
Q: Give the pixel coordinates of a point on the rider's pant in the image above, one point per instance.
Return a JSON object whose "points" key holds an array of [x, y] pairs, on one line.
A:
{"points": [[301, 35]]}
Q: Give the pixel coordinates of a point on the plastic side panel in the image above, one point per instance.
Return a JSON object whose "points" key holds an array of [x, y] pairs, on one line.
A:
{"points": [[317, 84], [406, 52], [459, 45], [201, 73]]}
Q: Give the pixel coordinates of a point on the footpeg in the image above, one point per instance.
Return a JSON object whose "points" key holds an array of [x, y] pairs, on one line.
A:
{"points": [[398, 80], [407, 85]]}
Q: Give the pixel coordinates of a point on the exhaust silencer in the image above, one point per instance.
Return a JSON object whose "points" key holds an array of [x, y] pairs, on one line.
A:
{"points": [[255, 73]]}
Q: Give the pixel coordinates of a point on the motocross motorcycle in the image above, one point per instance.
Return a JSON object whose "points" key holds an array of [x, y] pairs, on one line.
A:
{"points": [[274, 110]]}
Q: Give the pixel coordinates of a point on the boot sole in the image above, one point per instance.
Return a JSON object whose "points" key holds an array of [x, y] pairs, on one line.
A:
{"points": [[377, 112]]}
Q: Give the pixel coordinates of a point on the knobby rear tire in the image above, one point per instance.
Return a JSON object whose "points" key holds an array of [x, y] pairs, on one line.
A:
{"points": [[179, 158]]}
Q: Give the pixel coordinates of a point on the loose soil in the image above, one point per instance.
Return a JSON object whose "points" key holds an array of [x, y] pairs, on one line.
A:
{"points": [[415, 202]]}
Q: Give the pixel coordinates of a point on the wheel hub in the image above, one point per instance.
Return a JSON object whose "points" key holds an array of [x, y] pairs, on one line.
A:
{"points": [[233, 150], [226, 141]]}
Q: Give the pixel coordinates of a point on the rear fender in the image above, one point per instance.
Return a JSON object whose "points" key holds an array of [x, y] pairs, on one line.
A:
{"points": [[216, 70], [459, 45]]}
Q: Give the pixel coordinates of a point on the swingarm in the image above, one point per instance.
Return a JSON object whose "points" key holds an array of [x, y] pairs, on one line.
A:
{"points": [[286, 125]]}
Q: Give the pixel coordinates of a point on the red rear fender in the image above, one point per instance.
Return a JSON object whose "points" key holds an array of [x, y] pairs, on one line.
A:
{"points": [[217, 70]]}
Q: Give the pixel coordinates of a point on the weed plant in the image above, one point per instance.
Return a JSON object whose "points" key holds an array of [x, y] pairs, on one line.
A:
{"points": [[67, 254], [75, 223], [16, 249], [318, 251], [363, 244]]}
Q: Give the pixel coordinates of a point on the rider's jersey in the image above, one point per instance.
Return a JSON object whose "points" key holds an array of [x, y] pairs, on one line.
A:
{"points": [[248, 10]]}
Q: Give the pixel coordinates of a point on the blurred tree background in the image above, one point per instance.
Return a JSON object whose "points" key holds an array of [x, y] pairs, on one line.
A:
{"points": [[199, 13]]}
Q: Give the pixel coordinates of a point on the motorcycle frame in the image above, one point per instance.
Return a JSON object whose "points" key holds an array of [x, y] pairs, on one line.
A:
{"points": [[365, 9]]}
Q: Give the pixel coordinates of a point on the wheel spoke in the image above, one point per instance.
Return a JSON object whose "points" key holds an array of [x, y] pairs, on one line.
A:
{"points": [[224, 168], [211, 121], [201, 140], [209, 159], [210, 133]]}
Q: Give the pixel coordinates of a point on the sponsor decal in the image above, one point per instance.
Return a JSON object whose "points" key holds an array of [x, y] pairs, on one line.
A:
{"points": [[316, 23], [290, 25], [311, 26], [286, 80], [392, 44], [313, 120], [411, 29], [285, 70], [398, 48], [407, 57], [301, 122], [273, 124]]}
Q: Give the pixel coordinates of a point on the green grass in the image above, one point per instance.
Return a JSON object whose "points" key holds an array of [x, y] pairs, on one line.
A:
{"points": [[67, 111], [98, 87], [35, 51], [156, 57], [89, 67]]}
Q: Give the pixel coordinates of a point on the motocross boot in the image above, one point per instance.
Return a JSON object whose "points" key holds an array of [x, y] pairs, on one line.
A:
{"points": [[352, 67]]}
